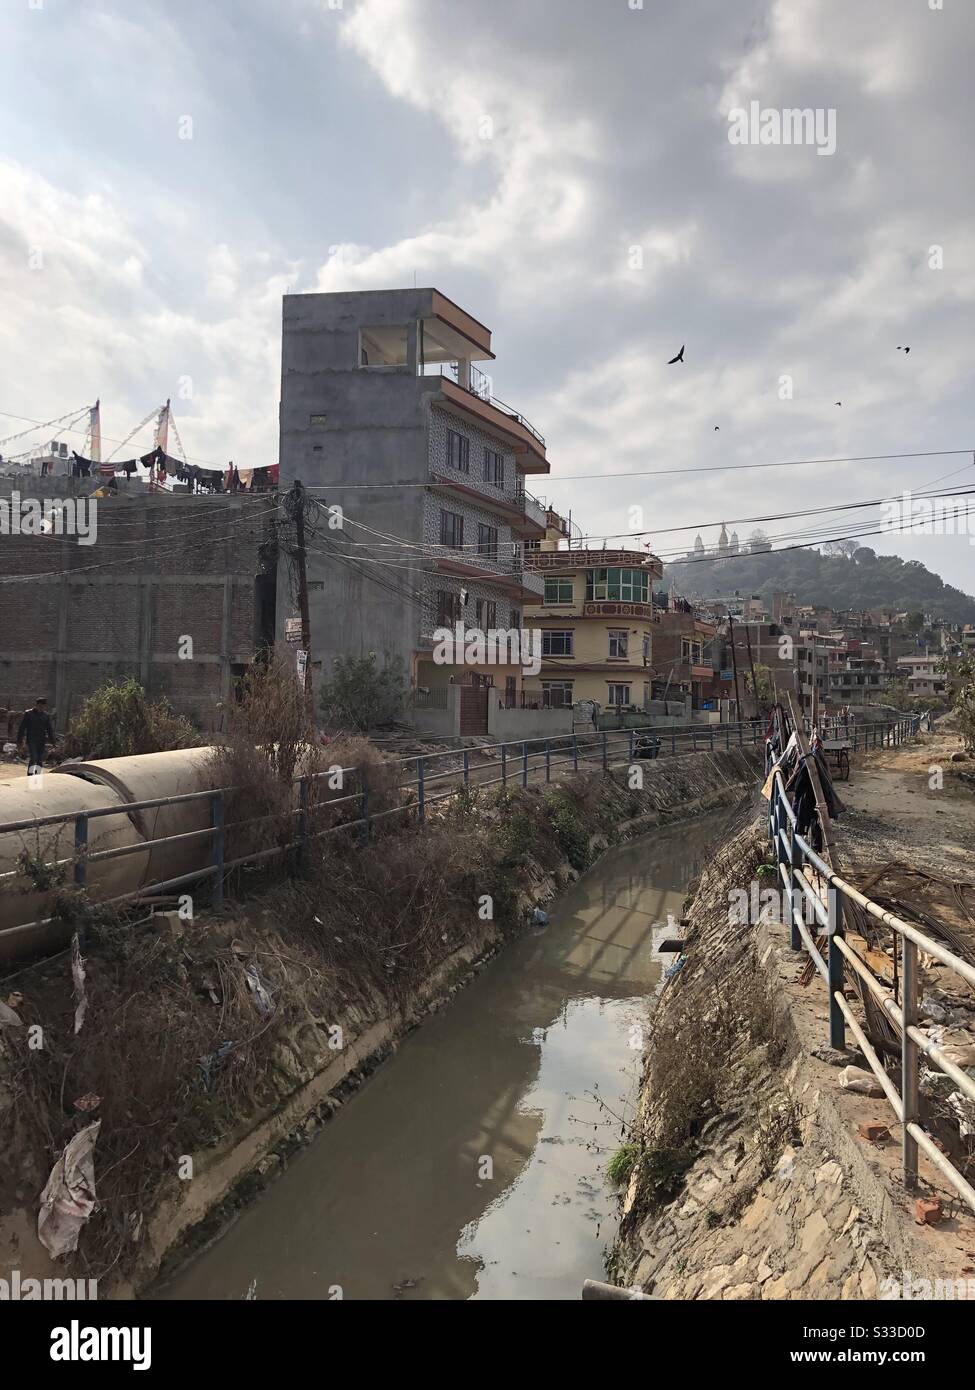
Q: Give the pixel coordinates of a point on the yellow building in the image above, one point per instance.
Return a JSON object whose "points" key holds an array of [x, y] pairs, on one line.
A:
{"points": [[596, 619]]}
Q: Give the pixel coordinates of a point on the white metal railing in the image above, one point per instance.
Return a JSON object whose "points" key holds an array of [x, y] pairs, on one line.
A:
{"points": [[812, 889]]}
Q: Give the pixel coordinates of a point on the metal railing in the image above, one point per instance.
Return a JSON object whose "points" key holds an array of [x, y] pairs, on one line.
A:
{"points": [[428, 779], [517, 762], [815, 898]]}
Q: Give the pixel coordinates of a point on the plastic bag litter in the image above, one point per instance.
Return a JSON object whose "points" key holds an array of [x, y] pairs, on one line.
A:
{"points": [[68, 1198], [260, 991], [863, 1082]]}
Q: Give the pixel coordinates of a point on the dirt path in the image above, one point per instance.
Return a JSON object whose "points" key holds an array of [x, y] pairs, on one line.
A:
{"points": [[909, 803]]}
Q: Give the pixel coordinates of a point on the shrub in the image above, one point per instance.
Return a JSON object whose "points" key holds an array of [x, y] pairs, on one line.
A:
{"points": [[360, 695], [569, 832], [117, 720]]}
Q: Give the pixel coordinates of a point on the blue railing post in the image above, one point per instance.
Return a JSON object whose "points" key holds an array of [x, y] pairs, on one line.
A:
{"points": [[834, 965], [504, 764], [524, 764], [605, 752], [673, 739], [693, 740], [631, 745], [795, 907], [711, 736], [364, 828], [467, 768], [575, 754], [548, 761], [216, 818], [421, 795], [80, 850]]}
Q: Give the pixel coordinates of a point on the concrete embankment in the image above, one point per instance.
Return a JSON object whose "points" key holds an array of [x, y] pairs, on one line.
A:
{"points": [[755, 1174], [212, 1048]]}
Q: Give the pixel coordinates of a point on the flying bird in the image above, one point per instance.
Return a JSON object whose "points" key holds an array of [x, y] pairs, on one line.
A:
{"points": [[902, 349], [679, 357], [837, 402], [717, 427]]}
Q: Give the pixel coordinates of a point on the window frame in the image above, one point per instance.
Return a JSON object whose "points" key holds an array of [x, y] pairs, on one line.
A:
{"points": [[558, 579], [486, 614], [463, 465], [494, 468], [449, 608], [565, 633], [565, 687], [455, 517], [615, 633], [618, 685], [601, 583], [488, 548]]}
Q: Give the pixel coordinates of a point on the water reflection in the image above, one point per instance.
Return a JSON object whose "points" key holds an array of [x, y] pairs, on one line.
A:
{"points": [[471, 1164]]}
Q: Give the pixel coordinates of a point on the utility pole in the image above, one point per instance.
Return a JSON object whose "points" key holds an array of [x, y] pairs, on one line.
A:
{"points": [[748, 642], [734, 666], [298, 508]]}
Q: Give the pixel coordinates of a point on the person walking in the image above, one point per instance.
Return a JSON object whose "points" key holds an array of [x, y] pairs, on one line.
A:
{"points": [[36, 730]]}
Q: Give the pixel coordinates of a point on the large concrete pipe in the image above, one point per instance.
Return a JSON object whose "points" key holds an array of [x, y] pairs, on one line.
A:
{"points": [[147, 776], [26, 799]]}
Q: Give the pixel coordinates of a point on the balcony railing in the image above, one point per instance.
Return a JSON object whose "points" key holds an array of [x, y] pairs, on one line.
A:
{"points": [[480, 388]]}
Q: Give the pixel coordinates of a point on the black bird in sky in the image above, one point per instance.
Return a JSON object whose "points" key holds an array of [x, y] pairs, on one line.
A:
{"points": [[717, 427], [902, 349], [837, 402], [679, 357]]}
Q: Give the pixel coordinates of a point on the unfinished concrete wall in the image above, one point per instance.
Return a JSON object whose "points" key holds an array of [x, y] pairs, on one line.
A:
{"points": [[342, 429]]}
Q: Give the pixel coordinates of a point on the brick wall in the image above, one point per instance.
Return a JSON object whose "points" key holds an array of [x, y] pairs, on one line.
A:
{"points": [[161, 570]]}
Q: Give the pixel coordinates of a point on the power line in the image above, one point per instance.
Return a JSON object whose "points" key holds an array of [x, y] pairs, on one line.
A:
{"points": [[666, 472]]}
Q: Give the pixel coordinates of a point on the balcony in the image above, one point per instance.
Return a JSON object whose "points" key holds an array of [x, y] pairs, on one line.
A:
{"points": [[533, 511], [562, 561], [523, 513], [492, 415]]}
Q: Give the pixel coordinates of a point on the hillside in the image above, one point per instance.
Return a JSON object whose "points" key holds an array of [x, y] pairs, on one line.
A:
{"points": [[861, 580]]}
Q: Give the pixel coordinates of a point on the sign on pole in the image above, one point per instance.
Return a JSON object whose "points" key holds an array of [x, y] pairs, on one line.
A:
{"points": [[292, 629], [302, 663]]}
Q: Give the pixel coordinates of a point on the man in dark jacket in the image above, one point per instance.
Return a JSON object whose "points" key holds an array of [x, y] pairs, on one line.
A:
{"points": [[36, 730]]}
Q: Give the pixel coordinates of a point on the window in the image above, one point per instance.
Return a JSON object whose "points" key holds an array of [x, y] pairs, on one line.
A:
{"points": [[458, 451], [628, 586], [691, 651], [646, 649], [557, 643], [448, 608], [558, 590], [487, 613], [619, 694], [494, 468], [556, 694], [618, 643], [451, 529], [487, 541]]}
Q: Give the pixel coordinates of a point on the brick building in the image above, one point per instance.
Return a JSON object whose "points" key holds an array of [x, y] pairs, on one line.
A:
{"points": [[162, 569]]}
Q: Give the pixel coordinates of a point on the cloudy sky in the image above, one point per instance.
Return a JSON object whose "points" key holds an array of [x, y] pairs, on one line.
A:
{"points": [[563, 170]]}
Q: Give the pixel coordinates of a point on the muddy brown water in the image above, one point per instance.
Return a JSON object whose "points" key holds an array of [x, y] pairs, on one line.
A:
{"points": [[471, 1165]]}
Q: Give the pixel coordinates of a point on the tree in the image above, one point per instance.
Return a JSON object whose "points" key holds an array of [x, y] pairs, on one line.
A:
{"points": [[961, 673], [762, 687], [360, 695]]}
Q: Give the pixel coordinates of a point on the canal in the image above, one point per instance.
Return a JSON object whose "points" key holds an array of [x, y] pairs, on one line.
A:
{"points": [[471, 1165]]}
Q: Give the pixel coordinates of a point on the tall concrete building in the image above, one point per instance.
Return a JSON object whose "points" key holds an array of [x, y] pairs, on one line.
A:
{"points": [[385, 414]]}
